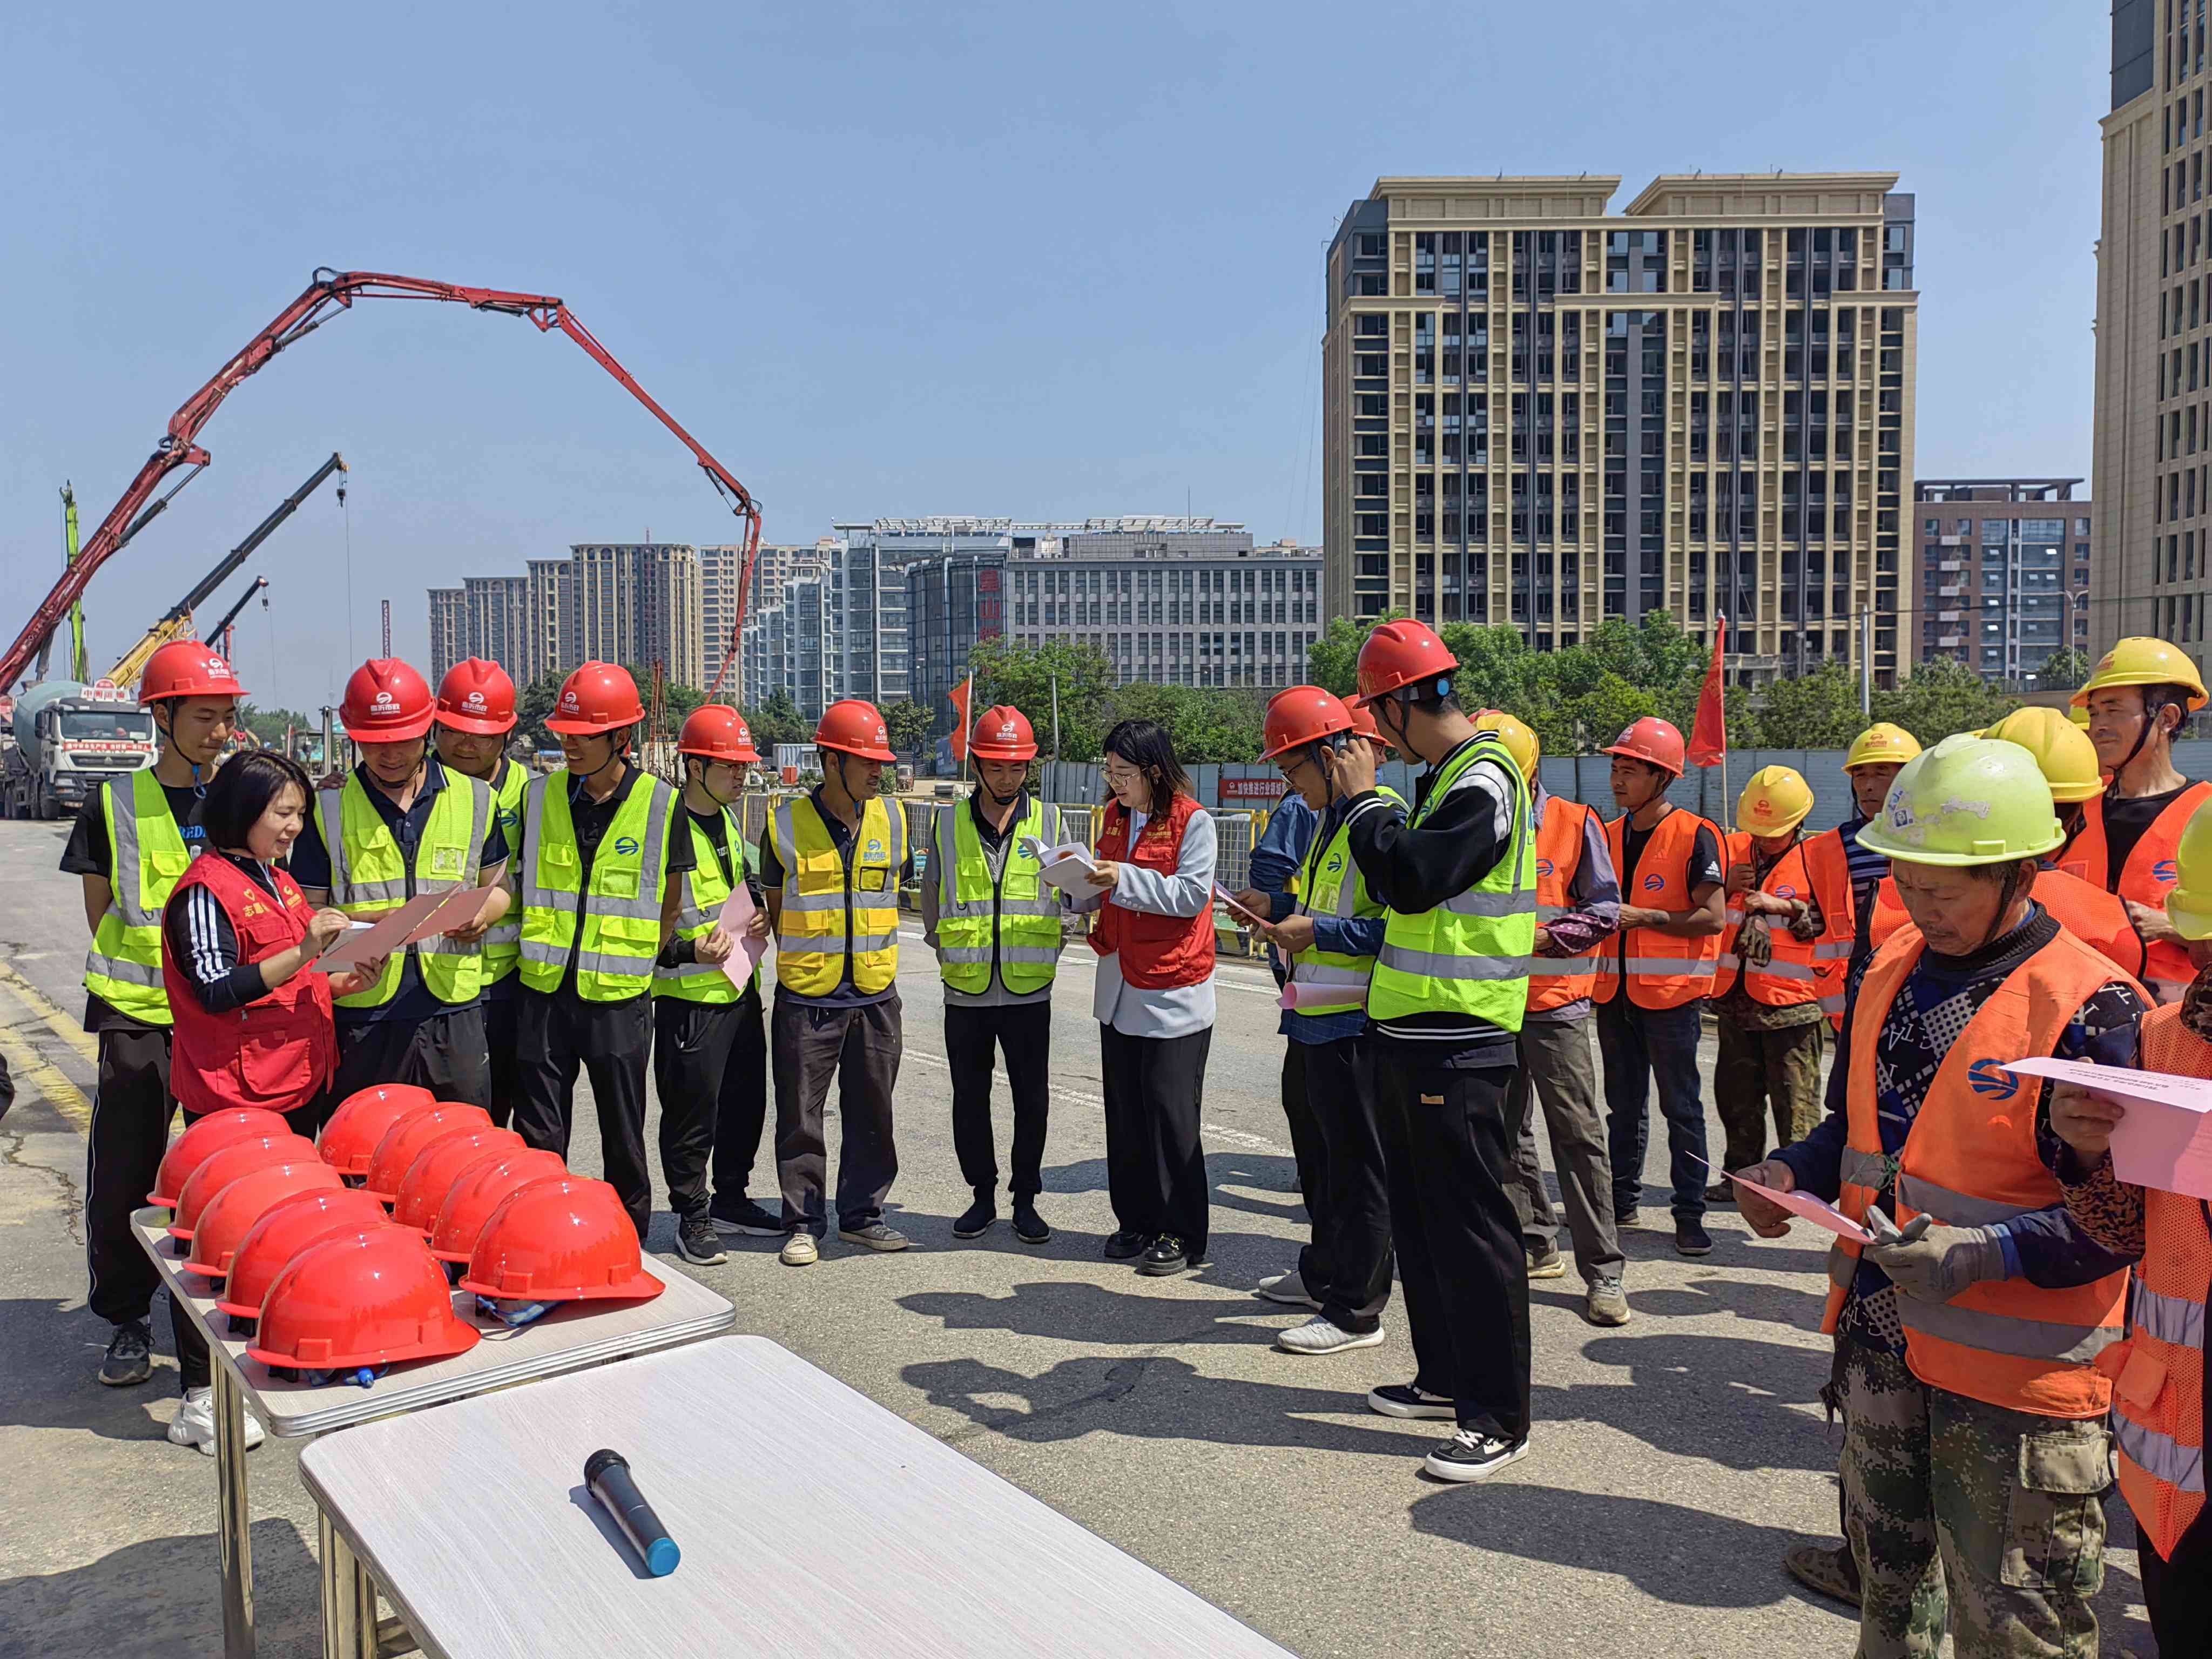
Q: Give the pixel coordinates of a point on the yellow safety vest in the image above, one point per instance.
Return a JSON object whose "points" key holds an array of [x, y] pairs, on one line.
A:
{"points": [[704, 893], [1014, 916], [834, 906], [503, 945], [147, 854], [621, 907], [1329, 884], [369, 877]]}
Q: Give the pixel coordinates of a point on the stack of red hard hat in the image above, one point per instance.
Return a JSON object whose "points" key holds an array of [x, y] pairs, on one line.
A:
{"points": [[478, 1192], [358, 1300], [349, 1139], [286, 1228], [226, 1165], [561, 1240], [422, 1189], [204, 1137], [231, 1213], [396, 1153]]}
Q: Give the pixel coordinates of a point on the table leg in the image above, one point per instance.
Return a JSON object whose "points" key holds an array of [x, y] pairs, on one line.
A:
{"points": [[349, 1626], [233, 1522]]}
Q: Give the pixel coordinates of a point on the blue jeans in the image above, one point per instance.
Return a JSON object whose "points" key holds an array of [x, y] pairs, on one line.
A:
{"points": [[1640, 1045]]}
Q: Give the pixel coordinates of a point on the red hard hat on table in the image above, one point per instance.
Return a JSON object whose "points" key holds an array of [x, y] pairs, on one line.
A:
{"points": [[1300, 715], [286, 1228], [1002, 733], [239, 1157], [395, 1154], [477, 696], [187, 668], [716, 732], [386, 701], [1401, 653], [479, 1191], [372, 1298], [853, 726], [431, 1176], [231, 1213], [1651, 740], [564, 1240], [205, 1136], [599, 696], [349, 1139]]}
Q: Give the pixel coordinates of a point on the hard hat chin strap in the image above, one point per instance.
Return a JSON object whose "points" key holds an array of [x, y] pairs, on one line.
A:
{"points": [[2150, 722]]}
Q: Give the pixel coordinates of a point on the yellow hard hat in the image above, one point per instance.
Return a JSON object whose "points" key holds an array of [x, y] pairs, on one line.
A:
{"points": [[2189, 904], [2144, 661], [1881, 744], [2079, 715], [1775, 802], [2062, 750], [1520, 741], [1968, 800]]}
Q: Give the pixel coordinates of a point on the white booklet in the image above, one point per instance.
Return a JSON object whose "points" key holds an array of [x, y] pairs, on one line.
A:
{"points": [[1065, 866]]}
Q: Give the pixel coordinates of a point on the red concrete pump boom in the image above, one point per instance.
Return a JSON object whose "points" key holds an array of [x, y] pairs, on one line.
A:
{"points": [[179, 446]]}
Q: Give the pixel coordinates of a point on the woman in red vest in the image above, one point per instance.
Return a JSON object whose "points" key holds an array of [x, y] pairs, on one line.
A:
{"points": [[1154, 997]]}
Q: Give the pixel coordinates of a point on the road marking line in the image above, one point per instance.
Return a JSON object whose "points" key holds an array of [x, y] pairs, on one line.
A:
{"points": [[32, 1068], [69, 1031], [1243, 1138]]}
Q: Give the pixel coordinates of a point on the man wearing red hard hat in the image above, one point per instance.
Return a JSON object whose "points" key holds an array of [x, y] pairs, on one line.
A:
{"points": [[601, 863], [832, 864], [1654, 977], [399, 826], [132, 841], [472, 724], [709, 1048]]}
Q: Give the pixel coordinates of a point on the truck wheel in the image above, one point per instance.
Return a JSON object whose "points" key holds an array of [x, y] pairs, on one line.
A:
{"points": [[49, 808]]}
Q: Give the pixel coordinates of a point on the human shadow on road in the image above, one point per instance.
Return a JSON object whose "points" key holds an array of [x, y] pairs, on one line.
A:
{"points": [[53, 1351], [1761, 1301], [1723, 1399], [160, 1597], [1225, 1169], [1073, 1311]]}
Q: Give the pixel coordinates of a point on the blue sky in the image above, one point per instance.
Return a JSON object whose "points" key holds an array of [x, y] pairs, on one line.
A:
{"points": [[1027, 259]]}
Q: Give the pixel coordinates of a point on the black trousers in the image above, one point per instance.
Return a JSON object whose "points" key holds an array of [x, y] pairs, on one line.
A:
{"points": [[130, 1116], [1023, 1033], [710, 1069], [446, 1053], [2177, 1593], [502, 1019], [1328, 1096], [1155, 1088], [558, 1034], [1450, 1152], [811, 1046]]}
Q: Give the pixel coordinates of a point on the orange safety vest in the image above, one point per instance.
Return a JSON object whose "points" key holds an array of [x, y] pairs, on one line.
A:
{"points": [[1555, 981], [1664, 971], [2147, 878], [2093, 916], [1815, 867], [1969, 1160], [2158, 1394]]}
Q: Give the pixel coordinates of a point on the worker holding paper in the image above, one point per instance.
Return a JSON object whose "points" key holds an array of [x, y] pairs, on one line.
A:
{"points": [[2159, 1405], [1973, 1410]]}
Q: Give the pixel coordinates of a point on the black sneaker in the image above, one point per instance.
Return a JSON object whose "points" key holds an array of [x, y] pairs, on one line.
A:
{"points": [[698, 1241], [1125, 1244], [741, 1215], [975, 1220], [130, 1358], [1625, 1216], [1409, 1400], [1166, 1256], [1721, 1192], [1029, 1226], [1474, 1455], [1691, 1238]]}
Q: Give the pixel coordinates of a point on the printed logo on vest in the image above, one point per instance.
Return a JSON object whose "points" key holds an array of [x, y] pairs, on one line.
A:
{"points": [[1986, 1076], [626, 845], [2165, 873], [1333, 866], [1785, 891], [446, 861], [1546, 867], [1653, 883], [875, 848]]}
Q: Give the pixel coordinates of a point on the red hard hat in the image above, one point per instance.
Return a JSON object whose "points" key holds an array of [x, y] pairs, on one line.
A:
{"points": [[480, 1189], [187, 668], [286, 1228], [1650, 739], [239, 1157], [204, 1137], [395, 1154], [1399, 654], [854, 727], [1002, 733], [715, 731], [1363, 721], [386, 701], [370, 1299], [430, 1177], [231, 1213], [599, 696], [1301, 716], [349, 1139], [565, 1240], [477, 696]]}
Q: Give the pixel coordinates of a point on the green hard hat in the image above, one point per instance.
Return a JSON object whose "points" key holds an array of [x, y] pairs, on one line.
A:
{"points": [[1968, 800]]}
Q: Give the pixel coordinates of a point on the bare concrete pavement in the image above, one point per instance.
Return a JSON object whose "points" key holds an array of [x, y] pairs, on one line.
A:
{"points": [[1673, 1460]]}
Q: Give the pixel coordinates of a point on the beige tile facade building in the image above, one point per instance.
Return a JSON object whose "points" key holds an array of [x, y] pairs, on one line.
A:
{"points": [[639, 603], [1539, 412]]}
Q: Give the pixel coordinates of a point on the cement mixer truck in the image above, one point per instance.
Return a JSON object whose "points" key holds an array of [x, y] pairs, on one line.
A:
{"points": [[64, 738]]}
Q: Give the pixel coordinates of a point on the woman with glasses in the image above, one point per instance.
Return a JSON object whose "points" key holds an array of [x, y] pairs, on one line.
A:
{"points": [[1153, 894]]}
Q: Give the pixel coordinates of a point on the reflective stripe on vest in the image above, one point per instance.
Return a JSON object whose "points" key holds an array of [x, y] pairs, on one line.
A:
{"points": [[1555, 981], [833, 907], [1663, 971], [620, 910], [705, 891], [1013, 915], [502, 943], [1970, 1159], [1470, 954], [1329, 884], [369, 876], [2148, 877], [147, 857]]}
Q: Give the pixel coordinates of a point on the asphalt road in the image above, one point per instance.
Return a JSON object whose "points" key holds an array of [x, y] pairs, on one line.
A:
{"points": [[1672, 1461]]}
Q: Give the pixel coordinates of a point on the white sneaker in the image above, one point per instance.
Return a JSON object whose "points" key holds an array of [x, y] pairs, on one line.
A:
{"points": [[1319, 1335], [1288, 1287], [799, 1250], [194, 1423]]}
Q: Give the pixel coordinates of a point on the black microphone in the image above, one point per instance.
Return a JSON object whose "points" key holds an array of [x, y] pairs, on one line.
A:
{"points": [[606, 1476]]}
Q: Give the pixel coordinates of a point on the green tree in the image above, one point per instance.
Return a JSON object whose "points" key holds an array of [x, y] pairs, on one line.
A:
{"points": [[909, 723], [1025, 676], [1941, 696], [2064, 670], [1333, 660], [532, 706], [777, 721], [1209, 726], [269, 724], [1595, 718], [1818, 710]]}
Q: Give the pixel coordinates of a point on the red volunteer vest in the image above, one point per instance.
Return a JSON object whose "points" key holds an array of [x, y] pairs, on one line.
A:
{"points": [[273, 1052], [2147, 878], [1155, 951], [1555, 981]]}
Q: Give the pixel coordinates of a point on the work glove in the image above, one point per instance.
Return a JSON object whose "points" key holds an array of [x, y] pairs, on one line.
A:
{"points": [[1931, 1262]]}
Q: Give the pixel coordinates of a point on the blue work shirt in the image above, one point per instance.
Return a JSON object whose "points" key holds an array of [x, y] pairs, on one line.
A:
{"points": [[1301, 828]]}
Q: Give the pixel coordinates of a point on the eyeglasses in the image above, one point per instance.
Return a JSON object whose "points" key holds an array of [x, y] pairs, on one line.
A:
{"points": [[1115, 774]]}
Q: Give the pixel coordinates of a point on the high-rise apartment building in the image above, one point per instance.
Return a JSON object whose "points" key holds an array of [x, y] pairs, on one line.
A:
{"points": [[449, 631], [1541, 412], [2153, 457], [496, 615], [548, 623], [2004, 573], [792, 646], [639, 603], [868, 598]]}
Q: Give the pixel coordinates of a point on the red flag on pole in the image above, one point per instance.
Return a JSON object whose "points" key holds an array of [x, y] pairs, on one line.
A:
{"points": [[1708, 735], [960, 696]]}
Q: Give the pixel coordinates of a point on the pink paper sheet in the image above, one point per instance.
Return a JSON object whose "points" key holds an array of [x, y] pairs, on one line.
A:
{"points": [[1817, 1211], [737, 917]]}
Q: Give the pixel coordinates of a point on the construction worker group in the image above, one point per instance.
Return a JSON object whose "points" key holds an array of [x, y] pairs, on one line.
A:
{"points": [[2036, 889]]}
